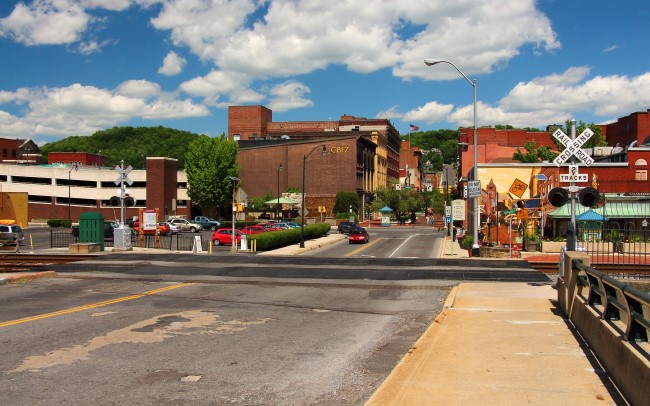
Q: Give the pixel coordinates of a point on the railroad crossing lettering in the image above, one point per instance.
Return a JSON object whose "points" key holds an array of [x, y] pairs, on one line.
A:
{"points": [[573, 147]]}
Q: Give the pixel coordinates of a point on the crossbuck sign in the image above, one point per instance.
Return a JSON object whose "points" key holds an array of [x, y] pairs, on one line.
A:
{"points": [[573, 147]]}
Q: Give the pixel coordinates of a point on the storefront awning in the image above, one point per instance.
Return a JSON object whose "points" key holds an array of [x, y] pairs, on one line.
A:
{"points": [[613, 210]]}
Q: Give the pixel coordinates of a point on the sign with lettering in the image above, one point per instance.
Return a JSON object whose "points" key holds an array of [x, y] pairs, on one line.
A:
{"points": [[573, 147], [474, 188], [458, 210]]}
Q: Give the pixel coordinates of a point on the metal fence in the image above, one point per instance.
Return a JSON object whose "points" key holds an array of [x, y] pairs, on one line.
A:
{"points": [[63, 237], [619, 248]]}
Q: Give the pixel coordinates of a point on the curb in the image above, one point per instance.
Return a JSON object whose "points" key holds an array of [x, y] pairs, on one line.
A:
{"points": [[22, 277]]}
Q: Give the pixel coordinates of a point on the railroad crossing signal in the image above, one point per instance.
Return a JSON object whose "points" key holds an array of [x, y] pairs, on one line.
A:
{"points": [[573, 147], [123, 175]]}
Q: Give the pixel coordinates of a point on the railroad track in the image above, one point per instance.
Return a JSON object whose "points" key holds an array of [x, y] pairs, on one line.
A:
{"points": [[28, 262]]}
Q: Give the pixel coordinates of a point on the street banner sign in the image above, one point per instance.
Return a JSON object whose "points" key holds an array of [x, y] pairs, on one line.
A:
{"points": [[474, 188], [573, 147], [518, 188], [458, 210]]}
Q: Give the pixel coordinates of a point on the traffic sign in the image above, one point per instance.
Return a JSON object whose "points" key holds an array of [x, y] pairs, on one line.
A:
{"points": [[123, 174], [573, 147], [474, 188], [518, 188], [458, 209], [573, 175]]}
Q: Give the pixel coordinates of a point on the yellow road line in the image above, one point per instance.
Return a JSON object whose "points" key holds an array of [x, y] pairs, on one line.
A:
{"points": [[91, 306], [362, 248]]}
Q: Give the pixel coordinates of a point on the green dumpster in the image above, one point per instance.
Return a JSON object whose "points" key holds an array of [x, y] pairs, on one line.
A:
{"points": [[91, 229]]}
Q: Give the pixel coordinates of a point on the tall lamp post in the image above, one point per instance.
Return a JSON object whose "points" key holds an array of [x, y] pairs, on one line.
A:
{"points": [[234, 180], [73, 166], [477, 218], [278, 206], [302, 217]]}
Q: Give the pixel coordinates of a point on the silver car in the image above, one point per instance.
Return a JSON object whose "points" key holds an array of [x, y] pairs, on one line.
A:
{"points": [[185, 225]]}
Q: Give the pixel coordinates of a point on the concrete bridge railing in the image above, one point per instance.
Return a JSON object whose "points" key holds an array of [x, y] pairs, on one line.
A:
{"points": [[614, 320]]}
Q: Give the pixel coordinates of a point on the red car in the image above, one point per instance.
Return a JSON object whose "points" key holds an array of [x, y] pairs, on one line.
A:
{"points": [[223, 236], [270, 227], [249, 230], [358, 234]]}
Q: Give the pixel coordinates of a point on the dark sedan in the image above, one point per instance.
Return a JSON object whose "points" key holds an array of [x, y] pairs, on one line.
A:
{"points": [[345, 227]]}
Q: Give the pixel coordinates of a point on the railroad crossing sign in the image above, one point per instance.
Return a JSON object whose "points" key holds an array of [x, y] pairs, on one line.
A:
{"points": [[573, 175], [123, 175], [573, 147]]}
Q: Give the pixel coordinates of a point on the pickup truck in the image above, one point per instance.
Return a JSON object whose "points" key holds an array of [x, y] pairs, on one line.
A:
{"points": [[207, 223]]}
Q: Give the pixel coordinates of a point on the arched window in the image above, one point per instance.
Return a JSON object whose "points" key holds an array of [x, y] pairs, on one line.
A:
{"points": [[640, 174]]}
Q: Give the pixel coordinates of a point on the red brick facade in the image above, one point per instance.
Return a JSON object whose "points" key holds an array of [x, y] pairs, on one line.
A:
{"points": [[8, 149], [248, 122], [81, 158], [162, 180], [626, 130]]}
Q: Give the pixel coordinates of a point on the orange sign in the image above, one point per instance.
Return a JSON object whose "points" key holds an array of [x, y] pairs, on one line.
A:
{"points": [[518, 188]]}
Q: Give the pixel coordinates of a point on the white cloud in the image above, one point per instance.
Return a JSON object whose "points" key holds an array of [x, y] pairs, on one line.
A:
{"points": [[288, 96], [45, 22], [548, 100], [172, 64], [141, 89], [82, 110]]}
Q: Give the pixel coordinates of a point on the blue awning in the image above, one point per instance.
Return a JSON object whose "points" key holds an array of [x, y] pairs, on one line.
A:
{"points": [[590, 215]]}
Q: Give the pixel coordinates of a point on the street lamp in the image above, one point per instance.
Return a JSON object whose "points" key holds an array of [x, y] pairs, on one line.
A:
{"points": [[302, 217], [75, 166], [278, 206], [234, 180], [477, 218]]}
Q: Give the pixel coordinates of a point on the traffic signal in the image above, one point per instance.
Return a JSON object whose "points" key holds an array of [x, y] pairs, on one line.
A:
{"points": [[588, 197], [114, 201], [129, 201], [558, 196]]}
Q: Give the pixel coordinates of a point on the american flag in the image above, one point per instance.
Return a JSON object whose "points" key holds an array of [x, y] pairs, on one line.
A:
{"points": [[414, 127]]}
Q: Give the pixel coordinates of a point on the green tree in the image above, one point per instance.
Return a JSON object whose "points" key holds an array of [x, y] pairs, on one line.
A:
{"points": [[597, 140], [405, 202], [344, 200], [210, 162], [259, 202], [533, 153], [131, 144]]}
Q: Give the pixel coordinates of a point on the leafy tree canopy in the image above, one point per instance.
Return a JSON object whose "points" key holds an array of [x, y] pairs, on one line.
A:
{"points": [[131, 144], [533, 153], [209, 164], [440, 146], [344, 200], [403, 202]]}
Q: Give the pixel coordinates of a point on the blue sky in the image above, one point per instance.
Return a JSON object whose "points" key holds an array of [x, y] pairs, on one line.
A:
{"points": [[75, 67]]}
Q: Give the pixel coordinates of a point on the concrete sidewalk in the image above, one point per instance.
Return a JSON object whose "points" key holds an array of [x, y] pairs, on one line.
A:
{"points": [[497, 344]]}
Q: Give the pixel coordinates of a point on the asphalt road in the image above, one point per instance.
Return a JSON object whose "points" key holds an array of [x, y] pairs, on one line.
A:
{"points": [[123, 341]]}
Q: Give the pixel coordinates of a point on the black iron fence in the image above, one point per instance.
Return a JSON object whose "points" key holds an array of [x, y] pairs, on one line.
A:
{"points": [[63, 237], [622, 249]]}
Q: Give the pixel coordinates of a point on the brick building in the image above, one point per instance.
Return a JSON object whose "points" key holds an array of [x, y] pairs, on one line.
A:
{"points": [[347, 166], [60, 191], [249, 123], [76, 158], [411, 162], [19, 151]]}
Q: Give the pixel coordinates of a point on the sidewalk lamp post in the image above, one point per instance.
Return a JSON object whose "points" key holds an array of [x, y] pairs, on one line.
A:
{"points": [[73, 166], [234, 180], [277, 208], [477, 218], [302, 208]]}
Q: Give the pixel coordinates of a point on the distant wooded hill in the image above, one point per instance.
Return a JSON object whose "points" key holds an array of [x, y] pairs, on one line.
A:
{"points": [[131, 144]]}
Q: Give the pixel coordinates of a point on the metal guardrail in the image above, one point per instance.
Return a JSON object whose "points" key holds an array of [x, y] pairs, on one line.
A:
{"points": [[619, 301]]}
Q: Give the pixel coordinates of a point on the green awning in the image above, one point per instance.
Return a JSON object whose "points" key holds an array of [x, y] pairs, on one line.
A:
{"points": [[611, 210], [282, 200]]}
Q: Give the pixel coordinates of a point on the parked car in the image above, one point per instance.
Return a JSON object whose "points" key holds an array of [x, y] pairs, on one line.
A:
{"points": [[292, 224], [358, 234], [249, 230], [207, 223], [173, 228], [223, 236], [7, 236], [345, 227], [282, 226], [186, 225], [270, 227]]}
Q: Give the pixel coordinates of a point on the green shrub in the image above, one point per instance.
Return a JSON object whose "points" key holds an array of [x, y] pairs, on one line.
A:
{"points": [[282, 238], [467, 242], [54, 223]]}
